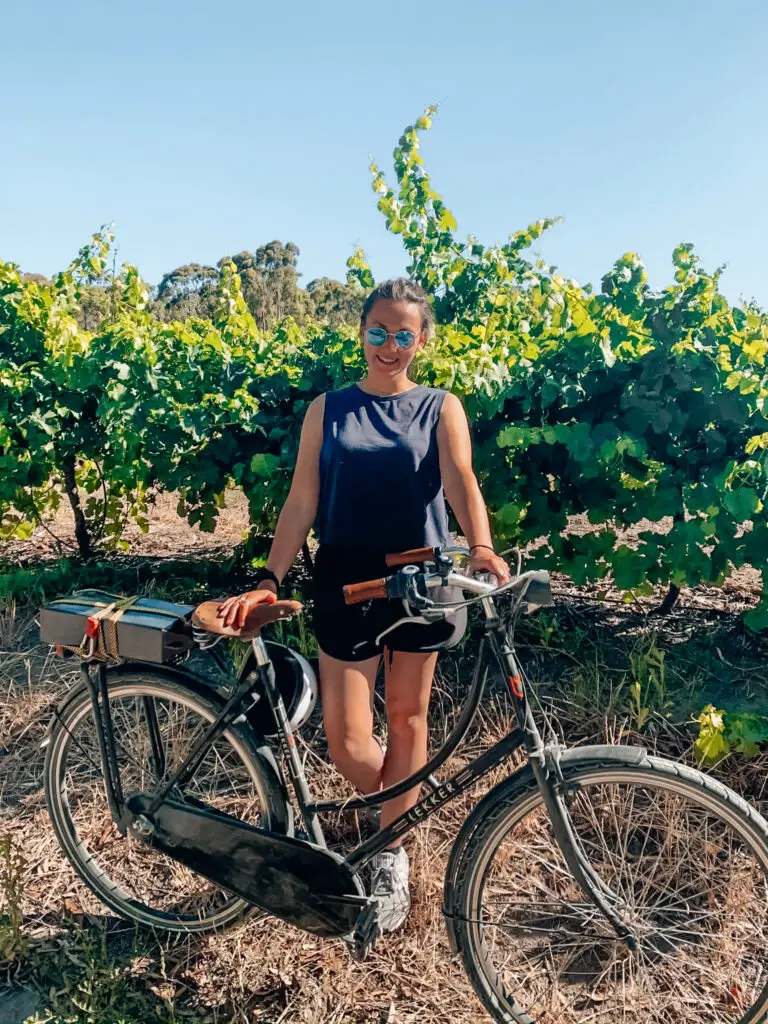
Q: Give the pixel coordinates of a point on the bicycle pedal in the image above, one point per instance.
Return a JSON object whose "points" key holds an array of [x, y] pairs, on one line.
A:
{"points": [[362, 940]]}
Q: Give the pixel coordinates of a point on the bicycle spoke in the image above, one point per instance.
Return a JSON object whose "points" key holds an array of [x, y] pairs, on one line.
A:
{"points": [[696, 897], [222, 781]]}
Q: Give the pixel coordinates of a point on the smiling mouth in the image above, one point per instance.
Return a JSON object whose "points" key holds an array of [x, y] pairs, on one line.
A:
{"points": [[386, 361]]}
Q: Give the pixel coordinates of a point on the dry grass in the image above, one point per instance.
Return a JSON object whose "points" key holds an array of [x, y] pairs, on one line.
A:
{"points": [[262, 970], [577, 657]]}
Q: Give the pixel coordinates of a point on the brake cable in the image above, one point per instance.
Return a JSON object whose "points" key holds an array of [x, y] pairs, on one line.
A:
{"points": [[425, 604]]}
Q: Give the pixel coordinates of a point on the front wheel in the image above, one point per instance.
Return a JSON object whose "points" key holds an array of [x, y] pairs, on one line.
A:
{"points": [[156, 718], [685, 857]]}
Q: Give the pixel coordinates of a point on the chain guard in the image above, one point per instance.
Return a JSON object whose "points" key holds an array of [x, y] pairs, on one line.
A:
{"points": [[303, 884]]}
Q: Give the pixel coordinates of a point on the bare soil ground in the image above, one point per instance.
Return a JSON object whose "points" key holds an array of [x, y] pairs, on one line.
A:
{"points": [[86, 965], [168, 533]]}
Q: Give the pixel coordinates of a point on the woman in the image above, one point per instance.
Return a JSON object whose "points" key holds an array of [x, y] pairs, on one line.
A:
{"points": [[374, 462]]}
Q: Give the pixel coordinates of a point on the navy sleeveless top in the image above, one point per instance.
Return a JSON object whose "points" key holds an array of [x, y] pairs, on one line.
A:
{"points": [[380, 484]]}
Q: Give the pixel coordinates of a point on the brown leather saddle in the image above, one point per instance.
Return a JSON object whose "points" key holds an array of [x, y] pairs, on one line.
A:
{"points": [[204, 616]]}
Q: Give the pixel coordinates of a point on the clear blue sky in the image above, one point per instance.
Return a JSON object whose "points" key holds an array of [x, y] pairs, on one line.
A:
{"points": [[204, 129]]}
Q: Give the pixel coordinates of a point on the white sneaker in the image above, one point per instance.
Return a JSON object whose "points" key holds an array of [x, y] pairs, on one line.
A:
{"points": [[389, 886]]}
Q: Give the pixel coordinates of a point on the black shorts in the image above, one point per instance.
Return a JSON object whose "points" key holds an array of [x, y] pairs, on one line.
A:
{"points": [[348, 632]]}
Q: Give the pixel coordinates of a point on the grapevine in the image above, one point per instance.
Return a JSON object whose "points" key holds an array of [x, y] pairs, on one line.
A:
{"points": [[626, 406]]}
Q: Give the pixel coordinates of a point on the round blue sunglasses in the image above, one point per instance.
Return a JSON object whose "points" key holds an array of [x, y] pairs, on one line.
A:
{"points": [[376, 336]]}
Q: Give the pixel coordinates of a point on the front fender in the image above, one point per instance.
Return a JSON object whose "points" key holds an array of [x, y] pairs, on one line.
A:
{"points": [[605, 752], [508, 790]]}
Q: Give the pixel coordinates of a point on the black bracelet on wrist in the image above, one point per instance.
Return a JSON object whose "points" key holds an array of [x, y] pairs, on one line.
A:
{"points": [[486, 546], [267, 574]]}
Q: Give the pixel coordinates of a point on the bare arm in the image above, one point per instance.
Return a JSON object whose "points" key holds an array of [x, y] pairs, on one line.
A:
{"points": [[461, 488], [295, 519], [300, 508]]}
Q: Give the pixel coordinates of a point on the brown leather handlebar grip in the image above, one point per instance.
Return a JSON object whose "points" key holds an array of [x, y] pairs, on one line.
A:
{"points": [[369, 590], [409, 557]]}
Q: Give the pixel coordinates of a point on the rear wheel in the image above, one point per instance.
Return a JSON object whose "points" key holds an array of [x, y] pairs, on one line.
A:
{"points": [[132, 878], [687, 860]]}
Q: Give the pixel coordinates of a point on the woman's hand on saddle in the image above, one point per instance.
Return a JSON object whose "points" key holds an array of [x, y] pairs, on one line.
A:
{"points": [[235, 610], [485, 559]]}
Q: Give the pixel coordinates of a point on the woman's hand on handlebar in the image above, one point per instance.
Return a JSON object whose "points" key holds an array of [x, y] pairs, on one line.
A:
{"points": [[484, 559], [235, 610]]}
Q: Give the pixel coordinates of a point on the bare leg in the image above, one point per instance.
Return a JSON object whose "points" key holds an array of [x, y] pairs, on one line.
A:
{"points": [[408, 687], [347, 697]]}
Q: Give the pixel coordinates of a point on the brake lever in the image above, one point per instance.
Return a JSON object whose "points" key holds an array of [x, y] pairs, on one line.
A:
{"points": [[413, 597], [404, 584], [407, 620], [407, 588]]}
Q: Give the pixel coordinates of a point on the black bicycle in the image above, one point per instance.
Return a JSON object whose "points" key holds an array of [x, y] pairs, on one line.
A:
{"points": [[594, 884]]}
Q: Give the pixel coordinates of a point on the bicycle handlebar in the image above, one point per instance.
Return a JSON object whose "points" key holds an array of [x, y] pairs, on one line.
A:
{"points": [[409, 557], [535, 582], [369, 590]]}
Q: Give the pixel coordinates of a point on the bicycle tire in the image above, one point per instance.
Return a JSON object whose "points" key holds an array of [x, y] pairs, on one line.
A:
{"points": [[86, 832], [512, 996]]}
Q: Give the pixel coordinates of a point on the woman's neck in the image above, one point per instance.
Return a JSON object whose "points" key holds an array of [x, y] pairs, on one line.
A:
{"points": [[390, 386]]}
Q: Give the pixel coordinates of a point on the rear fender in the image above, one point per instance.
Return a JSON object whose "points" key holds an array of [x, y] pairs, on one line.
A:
{"points": [[508, 790]]}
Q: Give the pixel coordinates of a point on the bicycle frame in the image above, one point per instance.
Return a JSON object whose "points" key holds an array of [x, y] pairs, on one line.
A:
{"points": [[526, 735]]}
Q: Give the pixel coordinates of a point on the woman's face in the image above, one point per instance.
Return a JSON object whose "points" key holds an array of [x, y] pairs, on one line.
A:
{"points": [[389, 360]]}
